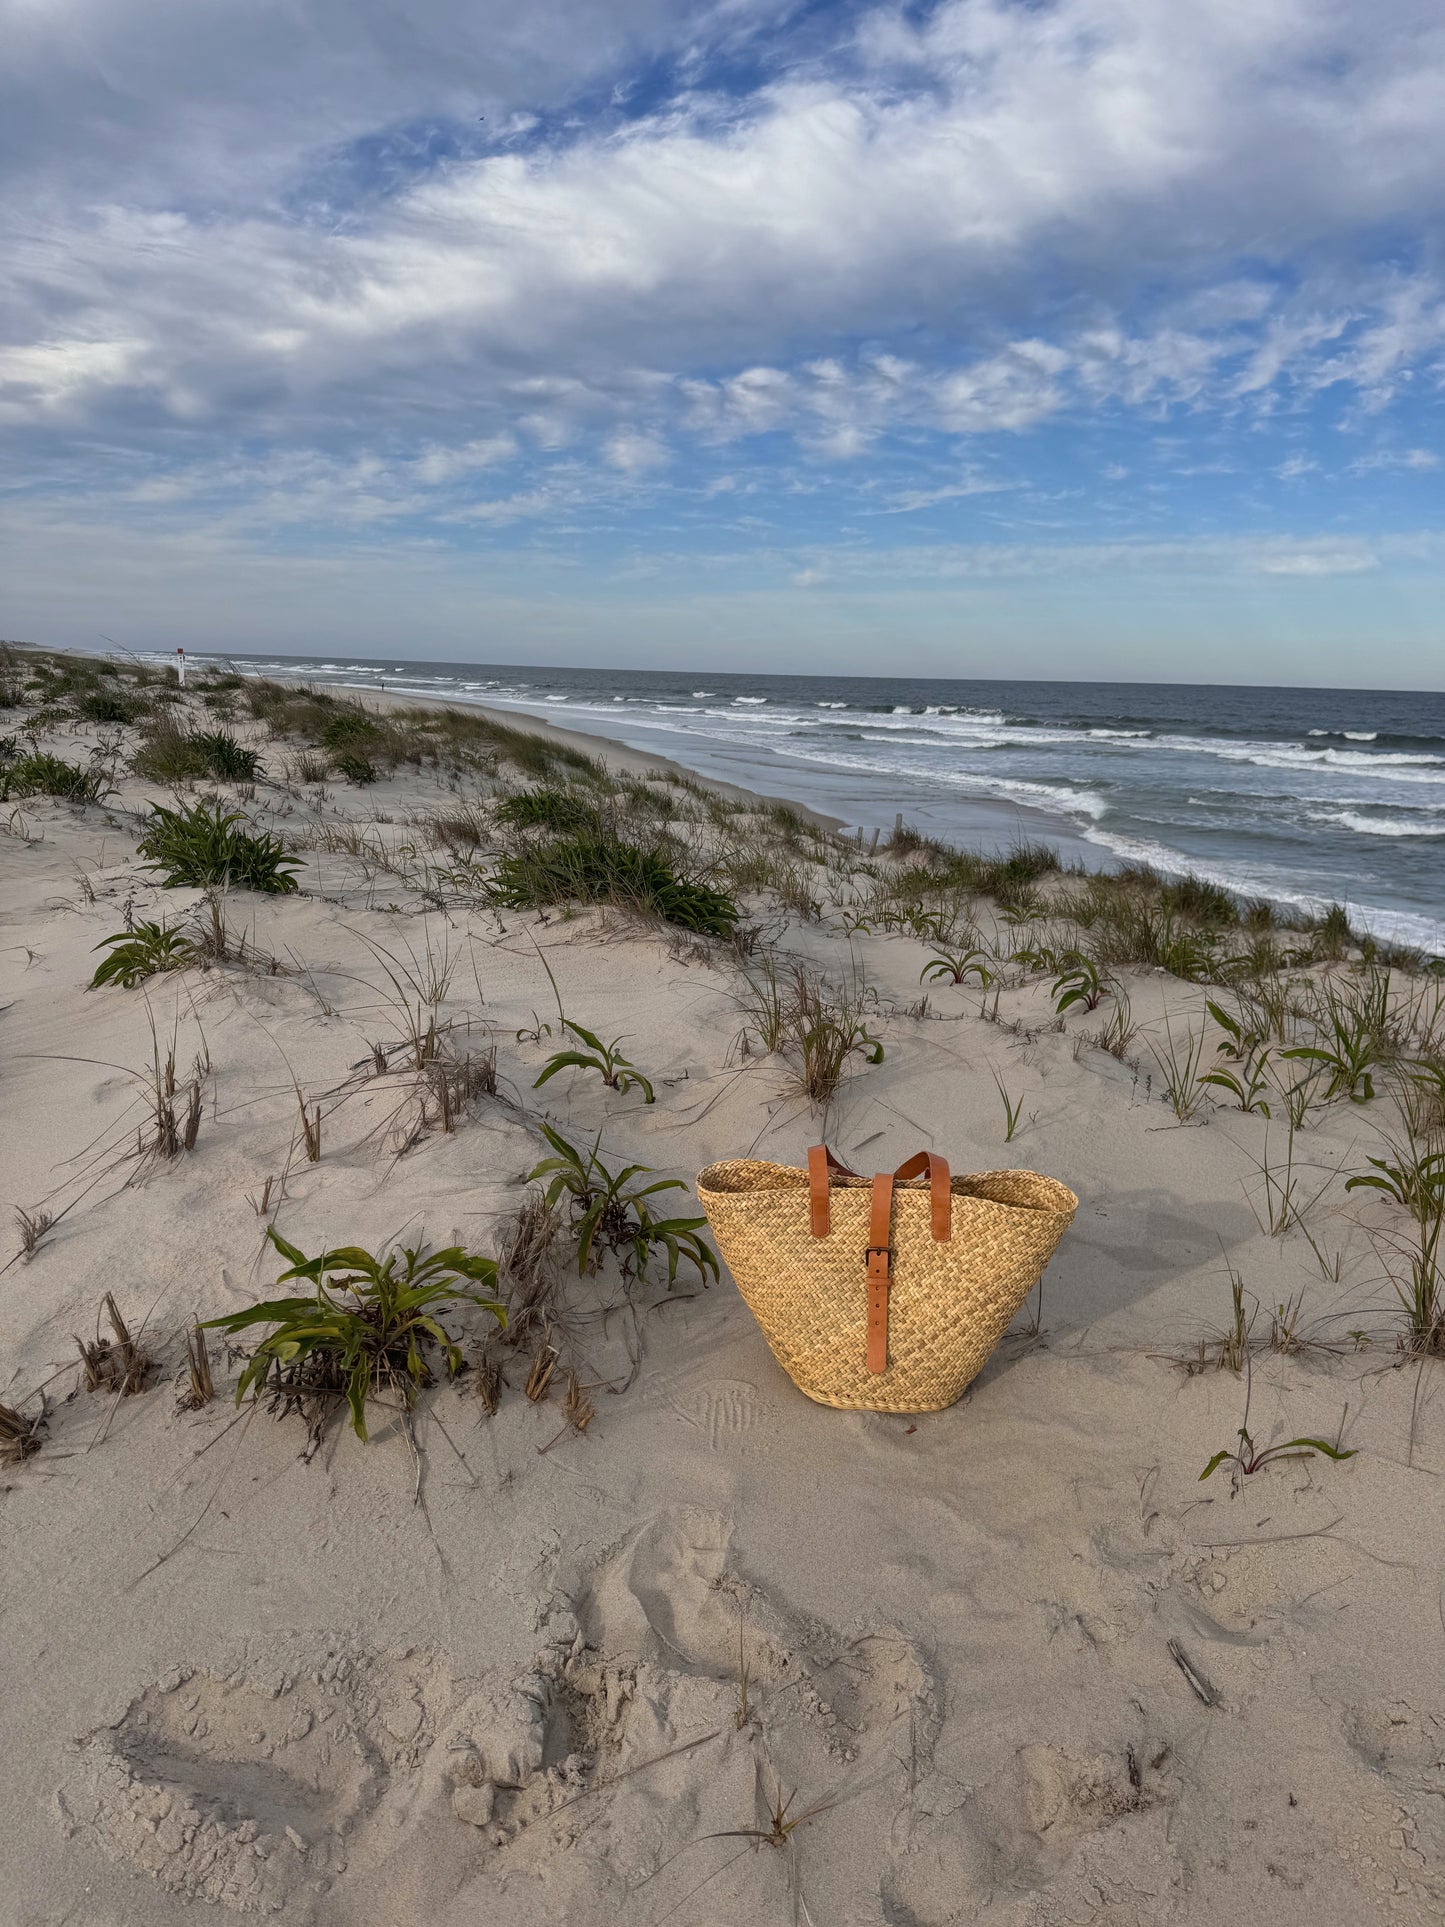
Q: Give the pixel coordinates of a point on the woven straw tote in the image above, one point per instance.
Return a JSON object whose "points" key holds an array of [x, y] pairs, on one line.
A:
{"points": [[885, 1294]]}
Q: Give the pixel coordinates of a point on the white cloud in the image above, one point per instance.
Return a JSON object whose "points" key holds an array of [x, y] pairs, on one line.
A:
{"points": [[1420, 460], [967, 169], [438, 465], [635, 453], [1324, 560]]}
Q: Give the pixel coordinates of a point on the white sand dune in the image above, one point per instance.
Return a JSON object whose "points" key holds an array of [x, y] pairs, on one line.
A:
{"points": [[237, 1680]]}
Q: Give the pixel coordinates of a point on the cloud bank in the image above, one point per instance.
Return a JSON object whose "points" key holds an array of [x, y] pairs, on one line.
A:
{"points": [[611, 269]]}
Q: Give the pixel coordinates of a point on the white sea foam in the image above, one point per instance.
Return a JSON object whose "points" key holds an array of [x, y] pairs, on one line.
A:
{"points": [[1379, 825]]}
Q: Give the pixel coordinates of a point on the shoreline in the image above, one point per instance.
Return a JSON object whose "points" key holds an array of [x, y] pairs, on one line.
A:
{"points": [[999, 826], [618, 756]]}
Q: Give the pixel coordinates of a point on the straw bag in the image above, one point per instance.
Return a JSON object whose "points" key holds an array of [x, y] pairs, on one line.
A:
{"points": [[888, 1294]]}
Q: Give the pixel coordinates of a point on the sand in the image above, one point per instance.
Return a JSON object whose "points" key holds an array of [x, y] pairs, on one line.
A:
{"points": [[238, 1681]]}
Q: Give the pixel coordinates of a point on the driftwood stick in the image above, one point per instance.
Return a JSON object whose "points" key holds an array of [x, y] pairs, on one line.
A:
{"points": [[1198, 1684]]}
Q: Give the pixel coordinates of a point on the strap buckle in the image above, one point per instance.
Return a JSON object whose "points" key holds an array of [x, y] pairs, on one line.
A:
{"points": [[884, 1251]]}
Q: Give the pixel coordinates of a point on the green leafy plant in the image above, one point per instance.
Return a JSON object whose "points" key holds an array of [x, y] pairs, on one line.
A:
{"points": [[105, 706], [617, 1072], [610, 1212], [1248, 1458], [825, 1027], [1179, 1063], [596, 867], [1415, 1179], [346, 727], [1079, 983], [1242, 1046], [226, 759], [364, 1328], [1012, 1106], [143, 952], [1414, 1267], [355, 767], [957, 966], [547, 809], [1349, 1062], [172, 754], [201, 845], [39, 773], [1243, 1034], [1246, 1084], [1352, 1022]]}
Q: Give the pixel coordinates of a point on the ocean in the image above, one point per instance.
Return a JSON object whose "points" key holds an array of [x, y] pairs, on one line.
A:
{"points": [[1302, 796]]}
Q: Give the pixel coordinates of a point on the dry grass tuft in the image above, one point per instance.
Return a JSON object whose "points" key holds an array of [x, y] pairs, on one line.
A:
{"points": [[115, 1364], [544, 1364], [577, 1406], [32, 1226], [310, 1128], [199, 1388], [19, 1433]]}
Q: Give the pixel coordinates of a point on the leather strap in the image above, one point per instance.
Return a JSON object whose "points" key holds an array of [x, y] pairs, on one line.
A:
{"points": [[880, 1262], [940, 1189], [879, 1258], [821, 1165]]}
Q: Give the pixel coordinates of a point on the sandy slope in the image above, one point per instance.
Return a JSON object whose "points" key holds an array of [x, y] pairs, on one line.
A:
{"points": [[234, 1680]]}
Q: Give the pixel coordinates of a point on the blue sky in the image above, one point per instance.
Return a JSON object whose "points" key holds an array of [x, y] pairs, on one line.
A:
{"points": [[1034, 337]]}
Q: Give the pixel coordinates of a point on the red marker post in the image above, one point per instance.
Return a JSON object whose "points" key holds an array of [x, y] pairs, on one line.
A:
{"points": [[181, 667]]}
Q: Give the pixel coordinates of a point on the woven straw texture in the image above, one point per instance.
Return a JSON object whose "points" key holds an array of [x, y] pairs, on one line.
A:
{"points": [[949, 1303]]}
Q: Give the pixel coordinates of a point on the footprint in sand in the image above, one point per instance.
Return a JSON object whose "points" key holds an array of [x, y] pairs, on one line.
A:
{"points": [[732, 1416], [675, 1696], [246, 1791]]}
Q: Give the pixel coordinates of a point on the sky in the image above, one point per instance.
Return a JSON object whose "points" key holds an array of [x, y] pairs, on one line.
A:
{"points": [[1060, 338]]}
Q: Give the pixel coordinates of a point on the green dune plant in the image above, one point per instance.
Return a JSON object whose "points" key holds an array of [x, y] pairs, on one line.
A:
{"points": [[202, 845], [547, 809], [956, 966], [41, 773], [171, 753], [1012, 1106], [594, 866], [1245, 1072], [1352, 1024], [1247, 1458], [147, 951], [617, 1072], [825, 1027], [1179, 1062], [1080, 982], [610, 1211], [364, 1328]]}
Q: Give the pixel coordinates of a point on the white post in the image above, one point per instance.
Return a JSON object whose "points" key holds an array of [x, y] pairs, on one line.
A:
{"points": [[181, 667]]}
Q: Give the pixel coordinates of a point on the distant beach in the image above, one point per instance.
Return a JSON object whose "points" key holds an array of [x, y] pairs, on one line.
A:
{"points": [[1300, 796]]}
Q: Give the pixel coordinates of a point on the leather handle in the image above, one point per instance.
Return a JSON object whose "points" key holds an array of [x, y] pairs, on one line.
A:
{"points": [[880, 1264], [939, 1186], [821, 1165]]}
